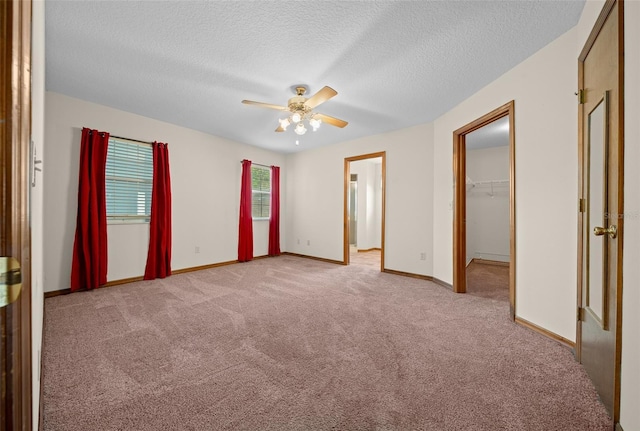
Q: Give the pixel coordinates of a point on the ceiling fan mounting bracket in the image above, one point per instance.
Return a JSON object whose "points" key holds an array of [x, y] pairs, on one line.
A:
{"points": [[300, 90]]}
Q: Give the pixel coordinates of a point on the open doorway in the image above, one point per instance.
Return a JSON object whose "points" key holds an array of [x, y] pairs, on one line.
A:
{"points": [[484, 207], [364, 196], [487, 236]]}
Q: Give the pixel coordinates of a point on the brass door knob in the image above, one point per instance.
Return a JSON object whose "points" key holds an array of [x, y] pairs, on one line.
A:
{"points": [[612, 231]]}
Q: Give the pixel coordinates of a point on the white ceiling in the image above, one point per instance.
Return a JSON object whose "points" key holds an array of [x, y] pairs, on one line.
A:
{"points": [[494, 134], [394, 64]]}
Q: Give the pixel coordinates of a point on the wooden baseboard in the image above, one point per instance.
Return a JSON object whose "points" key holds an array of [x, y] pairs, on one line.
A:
{"points": [[321, 259], [408, 274], [442, 283], [420, 277], [202, 267], [489, 262], [141, 278], [56, 293], [545, 332], [364, 250], [214, 265], [124, 281]]}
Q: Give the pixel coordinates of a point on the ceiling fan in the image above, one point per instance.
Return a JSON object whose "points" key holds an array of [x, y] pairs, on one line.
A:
{"points": [[301, 109]]}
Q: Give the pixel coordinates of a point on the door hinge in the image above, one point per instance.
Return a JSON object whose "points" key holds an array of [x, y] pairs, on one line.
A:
{"points": [[581, 97], [581, 205], [580, 314]]}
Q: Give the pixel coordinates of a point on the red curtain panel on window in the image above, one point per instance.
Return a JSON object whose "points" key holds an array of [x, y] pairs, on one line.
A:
{"points": [[89, 263], [274, 220], [159, 256], [245, 235]]}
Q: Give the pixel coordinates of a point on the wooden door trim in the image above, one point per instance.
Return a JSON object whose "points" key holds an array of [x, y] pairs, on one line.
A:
{"points": [[595, 31], [15, 234], [347, 177], [460, 201]]}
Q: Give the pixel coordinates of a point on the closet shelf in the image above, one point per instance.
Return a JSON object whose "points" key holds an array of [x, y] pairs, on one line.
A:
{"points": [[489, 182]]}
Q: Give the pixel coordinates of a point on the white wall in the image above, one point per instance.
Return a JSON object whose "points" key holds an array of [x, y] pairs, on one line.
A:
{"points": [[36, 212], [488, 209], [546, 160], [630, 390], [205, 180], [369, 216], [315, 196]]}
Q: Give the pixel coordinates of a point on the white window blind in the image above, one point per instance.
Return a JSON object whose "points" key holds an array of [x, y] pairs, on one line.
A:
{"points": [[260, 192], [129, 178]]}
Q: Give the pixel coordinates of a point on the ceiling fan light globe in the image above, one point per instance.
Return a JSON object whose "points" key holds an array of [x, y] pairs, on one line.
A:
{"points": [[296, 117], [284, 123], [315, 123], [300, 129]]}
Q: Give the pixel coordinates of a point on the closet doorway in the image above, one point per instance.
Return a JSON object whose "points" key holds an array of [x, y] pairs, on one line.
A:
{"points": [[364, 197], [484, 207]]}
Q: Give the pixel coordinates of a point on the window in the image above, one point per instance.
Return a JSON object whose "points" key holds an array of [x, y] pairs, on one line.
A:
{"points": [[129, 179], [260, 192]]}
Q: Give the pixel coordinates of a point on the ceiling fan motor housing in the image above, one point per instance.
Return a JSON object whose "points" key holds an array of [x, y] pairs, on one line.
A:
{"points": [[296, 104]]}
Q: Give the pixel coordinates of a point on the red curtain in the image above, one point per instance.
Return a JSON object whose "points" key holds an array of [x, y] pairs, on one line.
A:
{"points": [[274, 220], [245, 236], [159, 256], [89, 264]]}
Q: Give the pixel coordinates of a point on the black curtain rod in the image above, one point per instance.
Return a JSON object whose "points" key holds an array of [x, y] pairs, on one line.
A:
{"points": [[258, 164], [129, 139]]}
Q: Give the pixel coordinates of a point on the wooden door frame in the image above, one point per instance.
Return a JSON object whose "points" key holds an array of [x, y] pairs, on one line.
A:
{"points": [[347, 178], [604, 14], [460, 200], [15, 234]]}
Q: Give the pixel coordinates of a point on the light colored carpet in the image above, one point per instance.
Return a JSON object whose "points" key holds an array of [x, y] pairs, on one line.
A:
{"points": [[488, 281], [294, 344]]}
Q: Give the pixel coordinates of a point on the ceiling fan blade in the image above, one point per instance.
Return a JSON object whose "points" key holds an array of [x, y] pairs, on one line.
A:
{"points": [[265, 105], [321, 96], [331, 120], [279, 129]]}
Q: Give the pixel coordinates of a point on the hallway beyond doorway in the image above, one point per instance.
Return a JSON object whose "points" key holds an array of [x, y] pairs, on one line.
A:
{"points": [[365, 258]]}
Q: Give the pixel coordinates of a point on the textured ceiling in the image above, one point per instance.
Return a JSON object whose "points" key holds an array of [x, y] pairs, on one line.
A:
{"points": [[394, 64]]}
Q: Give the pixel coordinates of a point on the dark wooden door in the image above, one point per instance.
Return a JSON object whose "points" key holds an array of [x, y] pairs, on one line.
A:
{"points": [[15, 255], [600, 259]]}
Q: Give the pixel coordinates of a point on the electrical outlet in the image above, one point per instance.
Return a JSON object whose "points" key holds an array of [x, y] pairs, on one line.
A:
{"points": [[308, 242], [197, 249], [423, 256]]}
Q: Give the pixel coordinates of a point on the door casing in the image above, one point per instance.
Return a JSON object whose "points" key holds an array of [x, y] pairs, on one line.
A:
{"points": [[460, 200], [347, 180]]}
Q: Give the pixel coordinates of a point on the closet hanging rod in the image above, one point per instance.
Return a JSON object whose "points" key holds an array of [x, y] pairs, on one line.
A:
{"points": [[479, 183]]}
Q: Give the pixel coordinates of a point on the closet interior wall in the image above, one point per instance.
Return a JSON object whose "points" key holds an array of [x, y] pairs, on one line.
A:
{"points": [[488, 204]]}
